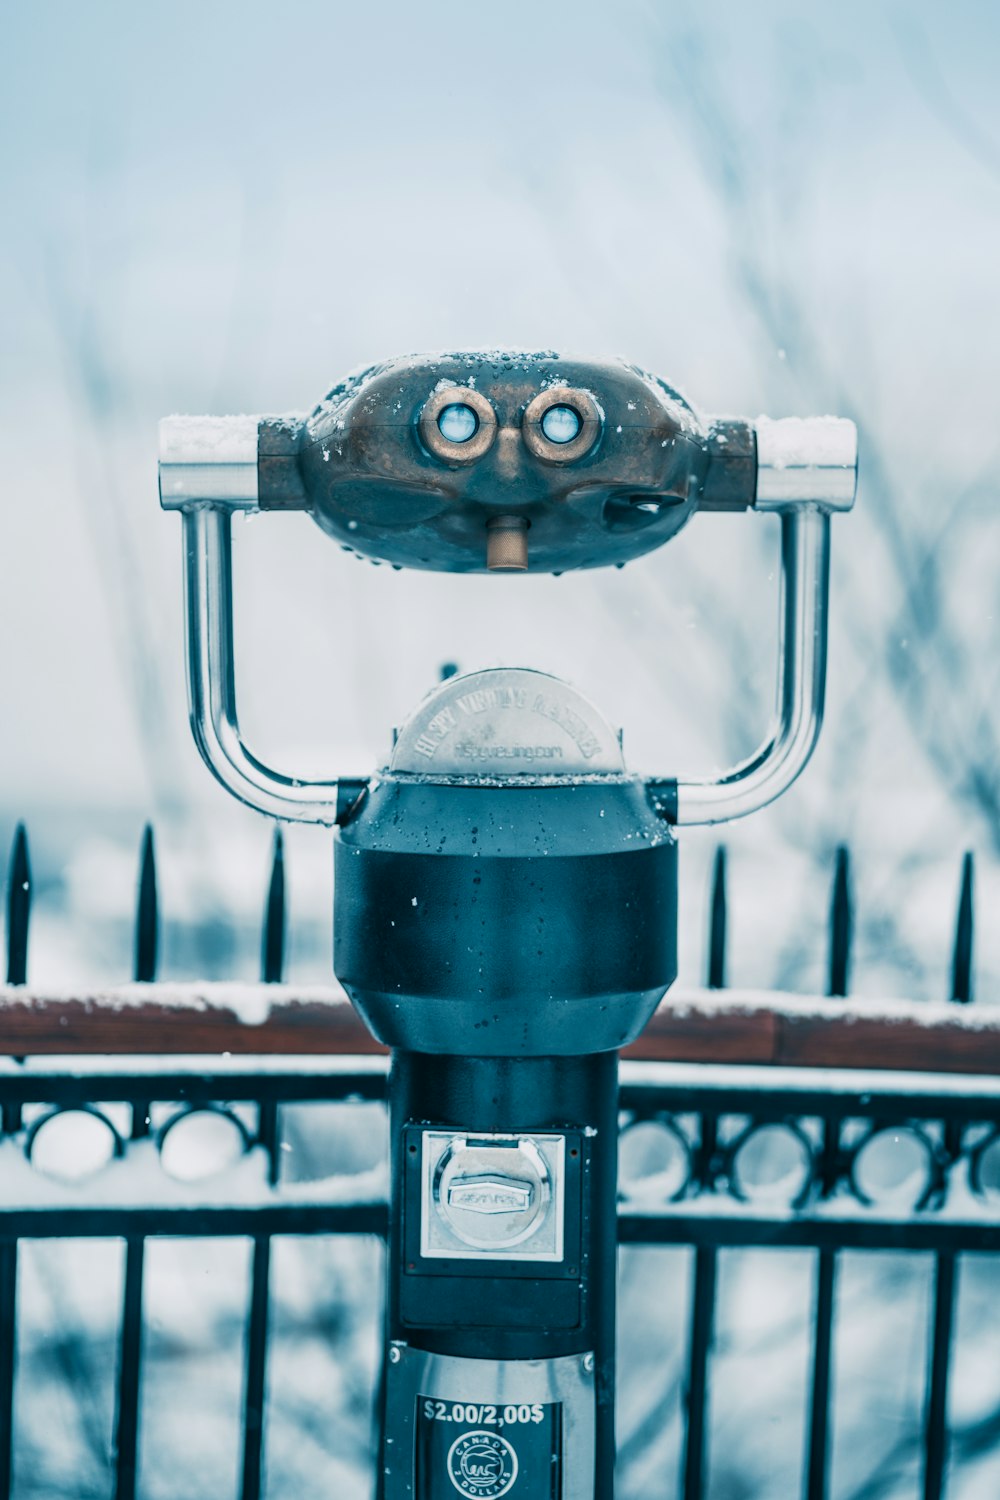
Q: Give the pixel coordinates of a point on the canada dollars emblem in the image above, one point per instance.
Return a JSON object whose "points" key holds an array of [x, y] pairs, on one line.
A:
{"points": [[482, 1465]]}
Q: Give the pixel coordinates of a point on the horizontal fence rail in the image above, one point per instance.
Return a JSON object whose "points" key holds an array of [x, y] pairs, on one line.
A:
{"points": [[690, 1025], [747, 1119], [704, 1134]]}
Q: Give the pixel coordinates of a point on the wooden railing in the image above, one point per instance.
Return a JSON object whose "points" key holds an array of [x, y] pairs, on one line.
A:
{"points": [[690, 1025]]}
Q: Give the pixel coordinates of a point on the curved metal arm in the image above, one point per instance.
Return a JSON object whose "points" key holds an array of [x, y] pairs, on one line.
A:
{"points": [[803, 469], [805, 556], [208, 598], [805, 584]]}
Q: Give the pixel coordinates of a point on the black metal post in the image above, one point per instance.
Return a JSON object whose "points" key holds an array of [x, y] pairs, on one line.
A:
{"points": [[502, 1311]]}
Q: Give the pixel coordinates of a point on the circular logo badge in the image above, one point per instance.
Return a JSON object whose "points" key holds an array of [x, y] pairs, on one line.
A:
{"points": [[482, 1465]]}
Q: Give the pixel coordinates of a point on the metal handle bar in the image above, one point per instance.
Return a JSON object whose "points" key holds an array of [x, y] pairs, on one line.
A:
{"points": [[805, 587], [797, 478], [208, 593]]}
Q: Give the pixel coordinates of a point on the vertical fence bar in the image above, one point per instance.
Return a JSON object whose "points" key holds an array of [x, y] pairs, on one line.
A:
{"points": [[946, 1265], [129, 1396], [818, 1463], [255, 1385], [129, 1372], [272, 964], [18, 921], [702, 1330], [841, 933], [936, 1421], [8, 1351], [702, 1323]]}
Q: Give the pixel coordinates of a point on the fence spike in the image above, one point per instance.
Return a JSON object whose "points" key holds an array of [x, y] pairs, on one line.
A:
{"points": [[716, 977], [841, 925], [18, 907], [962, 956], [272, 957], [147, 916]]}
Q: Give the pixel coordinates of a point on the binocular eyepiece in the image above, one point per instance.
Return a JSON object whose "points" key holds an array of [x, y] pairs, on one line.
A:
{"points": [[468, 463]]}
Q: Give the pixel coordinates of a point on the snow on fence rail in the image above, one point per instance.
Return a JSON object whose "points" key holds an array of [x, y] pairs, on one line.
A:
{"points": [[690, 1025]]}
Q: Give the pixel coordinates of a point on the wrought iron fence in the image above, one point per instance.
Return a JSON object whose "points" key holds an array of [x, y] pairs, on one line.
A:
{"points": [[735, 1155]]}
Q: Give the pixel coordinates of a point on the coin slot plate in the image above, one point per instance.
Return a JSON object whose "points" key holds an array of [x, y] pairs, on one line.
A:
{"points": [[504, 1169]]}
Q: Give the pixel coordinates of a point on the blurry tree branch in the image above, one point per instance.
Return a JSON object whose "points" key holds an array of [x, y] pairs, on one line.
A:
{"points": [[930, 83], [954, 723]]}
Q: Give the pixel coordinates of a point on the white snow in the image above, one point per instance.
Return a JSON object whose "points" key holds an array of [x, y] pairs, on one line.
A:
{"points": [[138, 1180], [253, 1004]]}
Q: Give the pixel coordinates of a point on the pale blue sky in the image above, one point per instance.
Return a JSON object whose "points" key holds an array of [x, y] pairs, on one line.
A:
{"points": [[225, 206]]}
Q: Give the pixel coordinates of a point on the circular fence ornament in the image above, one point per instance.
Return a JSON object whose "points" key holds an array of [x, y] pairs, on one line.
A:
{"points": [[985, 1168], [654, 1162], [73, 1145], [202, 1143], [772, 1164], [894, 1167]]}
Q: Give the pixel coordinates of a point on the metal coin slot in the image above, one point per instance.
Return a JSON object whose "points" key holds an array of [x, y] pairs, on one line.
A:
{"points": [[490, 1196]]}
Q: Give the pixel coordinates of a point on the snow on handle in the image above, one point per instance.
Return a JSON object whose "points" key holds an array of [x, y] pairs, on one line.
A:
{"points": [[690, 1025]]}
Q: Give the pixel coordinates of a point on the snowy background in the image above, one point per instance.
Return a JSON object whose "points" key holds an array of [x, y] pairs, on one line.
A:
{"points": [[781, 208], [224, 207]]}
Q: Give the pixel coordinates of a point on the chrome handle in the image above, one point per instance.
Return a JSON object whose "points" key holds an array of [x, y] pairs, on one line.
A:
{"points": [[208, 599], [807, 467], [805, 585]]}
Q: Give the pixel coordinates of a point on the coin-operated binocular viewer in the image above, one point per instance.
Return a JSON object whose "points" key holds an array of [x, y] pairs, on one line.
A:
{"points": [[505, 907]]}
